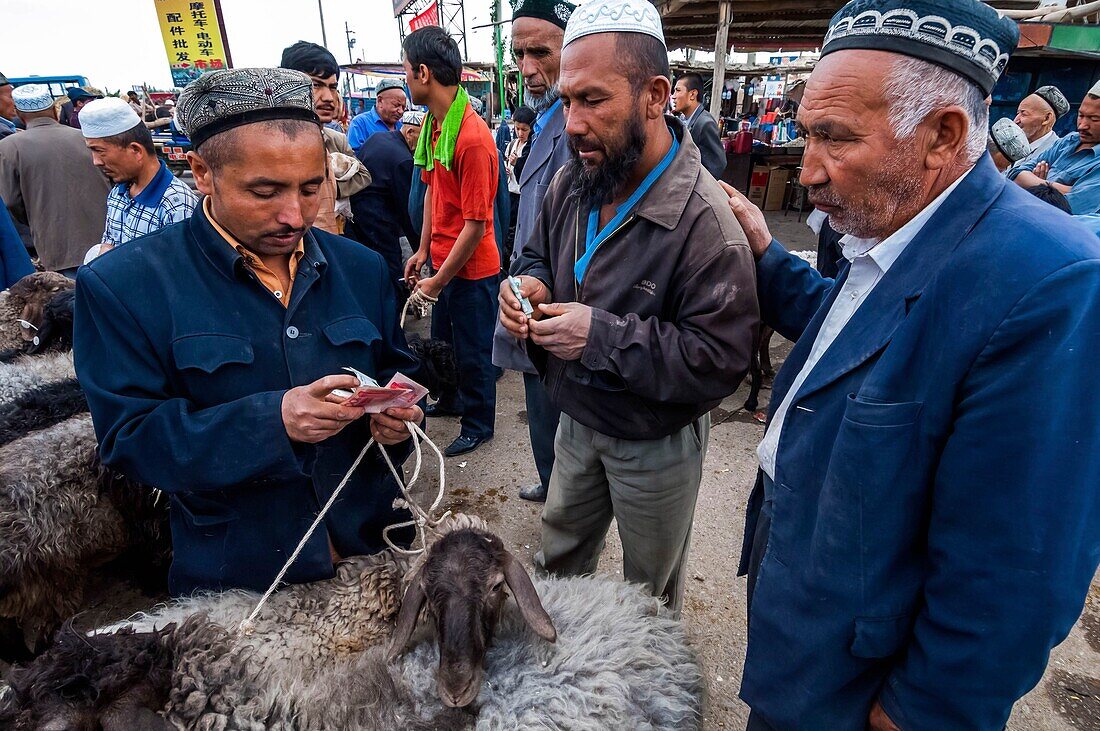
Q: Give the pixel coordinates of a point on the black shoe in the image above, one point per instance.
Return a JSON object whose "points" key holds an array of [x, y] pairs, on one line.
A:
{"points": [[464, 445], [535, 493], [435, 410]]}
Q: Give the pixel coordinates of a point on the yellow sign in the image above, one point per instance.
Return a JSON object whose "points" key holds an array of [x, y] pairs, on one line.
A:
{"points": [[193, 38]]}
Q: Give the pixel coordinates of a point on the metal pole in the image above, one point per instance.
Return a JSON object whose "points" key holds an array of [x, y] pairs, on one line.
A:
{"points": [[721, 43], [321, 12], [348, 78], [499, 57]]}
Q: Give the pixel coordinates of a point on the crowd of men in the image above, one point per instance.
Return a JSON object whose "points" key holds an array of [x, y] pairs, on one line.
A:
{"points": [[914, 548]]}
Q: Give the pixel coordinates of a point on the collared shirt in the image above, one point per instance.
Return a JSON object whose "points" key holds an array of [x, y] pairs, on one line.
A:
{"points": [[7, 127], [688, 119], [164, 201], [268, 278], [541, 117], [870, 261], [1079, 169], [1038, 147], [366, 124]]}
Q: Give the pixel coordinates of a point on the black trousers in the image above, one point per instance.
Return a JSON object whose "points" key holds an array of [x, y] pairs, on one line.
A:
{"points": [[464, 317], [542, 423]]}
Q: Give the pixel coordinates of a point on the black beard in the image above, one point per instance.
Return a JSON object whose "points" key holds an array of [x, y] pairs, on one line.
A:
{"points": [[596, 186]]}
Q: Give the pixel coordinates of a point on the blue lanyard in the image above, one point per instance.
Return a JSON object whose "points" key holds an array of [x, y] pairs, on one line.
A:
{"points": [[596, 235], [540, 120]]}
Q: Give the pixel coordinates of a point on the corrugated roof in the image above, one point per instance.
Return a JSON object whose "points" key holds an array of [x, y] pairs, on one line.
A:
{"points": [[763, 25]]}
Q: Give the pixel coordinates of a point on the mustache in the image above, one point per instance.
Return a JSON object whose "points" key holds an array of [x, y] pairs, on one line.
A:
{"points": [[580, 143], [285, 231]]}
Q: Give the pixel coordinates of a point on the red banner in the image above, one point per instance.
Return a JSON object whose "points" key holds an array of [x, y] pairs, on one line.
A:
{"points": [[430, 16]]}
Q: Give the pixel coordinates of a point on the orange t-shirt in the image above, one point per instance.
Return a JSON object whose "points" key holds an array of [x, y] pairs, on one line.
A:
{"points": [[465, 193]]}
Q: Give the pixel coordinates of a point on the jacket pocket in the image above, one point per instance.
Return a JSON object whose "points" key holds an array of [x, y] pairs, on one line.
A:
{"points": [[880, 637], [354, 329], [858, 410], [208, 352]]}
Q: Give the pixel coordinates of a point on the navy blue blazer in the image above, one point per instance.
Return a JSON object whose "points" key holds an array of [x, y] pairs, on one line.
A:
{"points": [[185, 357], [936, 510]]}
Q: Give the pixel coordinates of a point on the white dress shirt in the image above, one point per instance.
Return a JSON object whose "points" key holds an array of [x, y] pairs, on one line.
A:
{"points": [[870, 259]]}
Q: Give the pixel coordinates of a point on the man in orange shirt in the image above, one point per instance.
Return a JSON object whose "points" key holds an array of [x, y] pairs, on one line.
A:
{"points": [[459, 158]]}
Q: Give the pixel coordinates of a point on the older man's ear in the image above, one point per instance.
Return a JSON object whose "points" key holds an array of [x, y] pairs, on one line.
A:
{"points": [[945, 133]]}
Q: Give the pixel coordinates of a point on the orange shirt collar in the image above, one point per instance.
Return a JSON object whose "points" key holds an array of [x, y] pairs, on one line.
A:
{"points": [[268, 278]]}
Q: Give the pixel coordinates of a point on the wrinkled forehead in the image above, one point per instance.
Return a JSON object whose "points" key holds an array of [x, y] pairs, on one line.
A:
{"points": [[591, 61], [849, 85]]}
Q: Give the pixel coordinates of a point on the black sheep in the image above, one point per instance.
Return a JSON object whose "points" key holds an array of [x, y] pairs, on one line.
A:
{"points": [[41, 407], [438, 371]]}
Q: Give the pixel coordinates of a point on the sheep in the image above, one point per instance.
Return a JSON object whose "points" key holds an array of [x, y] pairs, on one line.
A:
{"points": [[41, 407], [438, 370], [26, 300], [620, 661], [28, 372], [62, 514]]}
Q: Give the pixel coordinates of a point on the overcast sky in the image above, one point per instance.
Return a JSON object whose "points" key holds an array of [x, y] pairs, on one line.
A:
{"points": [[117, 43]]}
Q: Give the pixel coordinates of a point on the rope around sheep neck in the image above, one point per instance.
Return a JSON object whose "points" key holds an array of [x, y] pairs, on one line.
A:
{"points": [[421, 518], [419, 302]]}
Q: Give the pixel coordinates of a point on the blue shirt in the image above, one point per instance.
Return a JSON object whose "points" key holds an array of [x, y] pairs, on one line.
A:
{"points": [[7, 127], [541, 117], [364, 125], [164, 201], [1077, 168]]}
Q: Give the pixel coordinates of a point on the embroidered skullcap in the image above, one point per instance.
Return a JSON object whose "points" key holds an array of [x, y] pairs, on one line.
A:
{"points": [[219, 101], [1054, 97], [1010, 139], [552, 11], [614, 16], [32, 97], [413, 117], [964, 36], [107, 118]]}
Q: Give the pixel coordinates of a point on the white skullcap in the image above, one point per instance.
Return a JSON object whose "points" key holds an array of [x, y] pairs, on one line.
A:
{"points": [[1010, 139], [32, 98], [614, 16], [107, 117], [413, 117], [1095, 90]]}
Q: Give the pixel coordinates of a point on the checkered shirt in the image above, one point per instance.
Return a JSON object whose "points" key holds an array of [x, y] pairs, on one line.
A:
{"points": [[130, 218]]}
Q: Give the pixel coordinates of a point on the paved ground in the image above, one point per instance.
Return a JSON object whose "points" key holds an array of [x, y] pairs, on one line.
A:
{"points": [[485, 483]]}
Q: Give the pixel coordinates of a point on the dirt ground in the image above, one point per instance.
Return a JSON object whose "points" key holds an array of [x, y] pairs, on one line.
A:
{"points": [[485, 482]]}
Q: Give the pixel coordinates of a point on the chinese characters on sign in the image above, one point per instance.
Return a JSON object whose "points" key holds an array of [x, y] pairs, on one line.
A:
{"points": [[193, 38], [430, 16]]}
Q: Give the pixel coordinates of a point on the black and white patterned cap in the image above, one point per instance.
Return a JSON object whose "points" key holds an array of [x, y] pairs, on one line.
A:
{"points": [[219, 101], [1054, 98], [1010, 139]]}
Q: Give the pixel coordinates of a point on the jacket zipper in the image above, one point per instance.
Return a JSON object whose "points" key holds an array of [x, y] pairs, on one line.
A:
{"points": [[579, 288]]}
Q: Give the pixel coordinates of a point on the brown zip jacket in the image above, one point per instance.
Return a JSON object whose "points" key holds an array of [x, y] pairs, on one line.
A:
{"points": [[673, 292]]}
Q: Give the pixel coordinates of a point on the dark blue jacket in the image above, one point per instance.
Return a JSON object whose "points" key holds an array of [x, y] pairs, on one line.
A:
{"points": [[931, 540], [15, 262], [185, 357]]}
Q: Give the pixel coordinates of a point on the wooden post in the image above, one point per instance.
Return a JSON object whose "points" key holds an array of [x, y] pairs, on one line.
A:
{"points": [[725, 13]]}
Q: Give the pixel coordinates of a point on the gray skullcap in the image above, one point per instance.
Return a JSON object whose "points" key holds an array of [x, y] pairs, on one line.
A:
{"points": [[219, 101], [1010, 139], [1053, 96], [413, 117], [387, 84]]}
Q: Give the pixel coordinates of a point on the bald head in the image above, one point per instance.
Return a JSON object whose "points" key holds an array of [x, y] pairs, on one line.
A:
{"points": [[1035, 116]]}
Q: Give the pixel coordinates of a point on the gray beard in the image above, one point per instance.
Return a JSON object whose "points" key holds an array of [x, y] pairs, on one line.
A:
{"points": [[541, 103]]}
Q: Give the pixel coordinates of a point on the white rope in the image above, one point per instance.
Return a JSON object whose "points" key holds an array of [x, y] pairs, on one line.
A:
{"points": [[420, 304], [421, 518]]}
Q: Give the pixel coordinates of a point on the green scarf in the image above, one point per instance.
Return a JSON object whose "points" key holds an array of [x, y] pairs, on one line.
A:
{"points": [[444, 151]]}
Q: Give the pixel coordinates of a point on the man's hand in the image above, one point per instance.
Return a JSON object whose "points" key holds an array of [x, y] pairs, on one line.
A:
{"points": [[511, 313], [431, 286], [879, 721], [751, 219], [565, 334], [389, 427], [1041, 170], [311, 417], [413, 266]]}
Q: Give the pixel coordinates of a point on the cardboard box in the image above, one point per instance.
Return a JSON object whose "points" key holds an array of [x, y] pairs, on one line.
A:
{"points": [[758, 184], [777, 189]]}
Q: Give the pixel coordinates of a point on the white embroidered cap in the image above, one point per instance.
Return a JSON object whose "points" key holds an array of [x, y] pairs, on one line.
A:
{"points": [[614, 16], [32, 98]]}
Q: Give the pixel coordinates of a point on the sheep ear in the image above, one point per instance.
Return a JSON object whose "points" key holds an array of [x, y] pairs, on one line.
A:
{"points": [[528, 599], [406, 618]]}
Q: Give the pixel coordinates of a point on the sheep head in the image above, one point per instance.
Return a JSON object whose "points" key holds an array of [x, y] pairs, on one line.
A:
{"points": [[461, 583], [30, 297]]}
